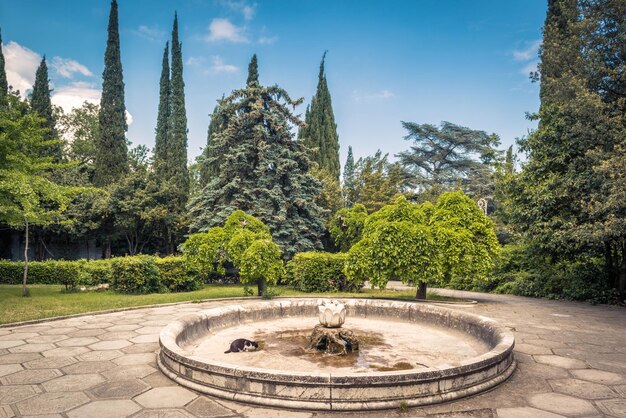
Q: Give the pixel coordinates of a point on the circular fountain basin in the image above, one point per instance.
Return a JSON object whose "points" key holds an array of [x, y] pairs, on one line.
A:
{"points": [[410, 354]]}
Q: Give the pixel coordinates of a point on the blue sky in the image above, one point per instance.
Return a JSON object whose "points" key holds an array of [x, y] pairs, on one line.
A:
{"points": [[463, 61]]}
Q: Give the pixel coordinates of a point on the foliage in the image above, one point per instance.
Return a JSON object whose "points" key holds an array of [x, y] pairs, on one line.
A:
{"points": [[349, 180], [261, 262], [319, 134], [260, 169], [204, 251], [111, 152], [41, 104], [69, 273], [346, 226], [138, 274], [177, 275], [440, 157], [329, 198], [162, 130], [4, 85], [320, 272], [81, 130]]}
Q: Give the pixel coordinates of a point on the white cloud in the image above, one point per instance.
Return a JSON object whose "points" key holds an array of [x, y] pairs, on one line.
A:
{"points": [[267, 40], [530, 52], [75, 94], [530, 67], [20, 65], [246, 9], [151, 33], [66, 67], [195, 61], [225, 30], [220, 67], [359, 96]]}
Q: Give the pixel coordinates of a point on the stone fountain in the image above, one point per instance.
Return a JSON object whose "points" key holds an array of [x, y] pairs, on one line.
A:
{"points": [[328, 336]]}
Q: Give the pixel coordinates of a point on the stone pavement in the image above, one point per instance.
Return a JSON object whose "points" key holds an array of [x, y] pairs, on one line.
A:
{"points": [[571, 362]]}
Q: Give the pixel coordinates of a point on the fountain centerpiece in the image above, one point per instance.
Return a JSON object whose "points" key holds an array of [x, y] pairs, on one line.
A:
{"points": [[329, 337]]}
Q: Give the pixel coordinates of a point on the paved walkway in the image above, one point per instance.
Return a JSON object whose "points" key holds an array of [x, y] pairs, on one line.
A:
{"points": [[571, 362]]}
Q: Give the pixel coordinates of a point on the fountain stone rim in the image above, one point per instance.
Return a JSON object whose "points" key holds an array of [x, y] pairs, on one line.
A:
{"points": [[336, 390]]}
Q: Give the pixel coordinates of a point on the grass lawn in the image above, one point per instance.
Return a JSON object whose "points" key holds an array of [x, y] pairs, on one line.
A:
{"points": [[47, 301]]}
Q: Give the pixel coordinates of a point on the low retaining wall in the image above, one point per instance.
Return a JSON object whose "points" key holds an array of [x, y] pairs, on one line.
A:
{"points": [[335, 391]]}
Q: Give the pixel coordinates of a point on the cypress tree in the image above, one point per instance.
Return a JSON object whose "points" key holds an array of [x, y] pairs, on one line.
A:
{"points": [[41, 104], [260, 169], [112, 152], [253, 71], [320, 132], [177, 138], [4, 85], [162, 128], [349, 180]]}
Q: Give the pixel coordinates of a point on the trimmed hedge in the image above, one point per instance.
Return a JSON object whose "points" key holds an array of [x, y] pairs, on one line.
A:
{"points": [[177, 275], [137, 274], [320, 272]]}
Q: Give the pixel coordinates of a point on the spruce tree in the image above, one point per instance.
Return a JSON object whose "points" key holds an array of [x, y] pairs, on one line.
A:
{"points": [[320, 132], [41, 104], [261, 170], [253, 71], [177, 137], [349, 180], [111, 155], [4, 85], [208, 170], [162, 128]]}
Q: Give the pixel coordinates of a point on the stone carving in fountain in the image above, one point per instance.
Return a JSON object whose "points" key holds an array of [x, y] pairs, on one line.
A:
{"points": [[329, 337]]}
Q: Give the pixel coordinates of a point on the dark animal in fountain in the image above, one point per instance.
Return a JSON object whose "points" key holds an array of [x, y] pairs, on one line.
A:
{"points": [[241, 344]]}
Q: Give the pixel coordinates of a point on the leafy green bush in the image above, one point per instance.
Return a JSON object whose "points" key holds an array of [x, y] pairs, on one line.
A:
{"points": [[178, 276], [42, 272], [261, 264], [95, 272], [320, 272], [137, 274]]}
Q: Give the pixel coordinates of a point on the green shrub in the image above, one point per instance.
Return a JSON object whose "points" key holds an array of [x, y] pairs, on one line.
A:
{"points": [[95, 272], [137, 274], [320, 272], [42, 272], [177, 275]]}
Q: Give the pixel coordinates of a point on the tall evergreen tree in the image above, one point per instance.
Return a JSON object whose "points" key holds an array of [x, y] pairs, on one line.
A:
{"points": [[112, 151], [320, 132], [177, 138], [253, 72], [162, 128], [216, 124], [349, 180], [261, 169], [41, 104], [4, 85]]}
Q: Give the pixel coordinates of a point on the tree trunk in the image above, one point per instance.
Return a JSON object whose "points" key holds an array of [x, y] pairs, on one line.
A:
{"points": [[106, 251], [24, 290], [621, 287], [261, 286], [421, 290]]}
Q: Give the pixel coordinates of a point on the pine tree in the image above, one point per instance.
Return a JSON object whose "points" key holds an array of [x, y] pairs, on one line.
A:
{"points": [[41, 104], [216, 125], [162, 128], [111, 156], [349, 180], [320, 132], [261, 169], [177, 138], [4, 85]]}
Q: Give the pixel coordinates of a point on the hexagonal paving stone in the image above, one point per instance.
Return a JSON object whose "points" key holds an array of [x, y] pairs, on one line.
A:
{"points": [[18, 336], [525, 412], [52, 403], [84, 367], [559, 361], [18, 358], [71, 383], [78, 342], [149, 338], [106, 409], [11, 343], [32, 348], [562, 404], [141, 348], [87, 333], [127, 327], [581, 389], [6, 412], [12, 394], [95, 325], [163, 413], [27, 377], [100, 355], [531, 349], [158, 379], [140, 358], [117, 335], [6, 369], [58, 331], [598, 376], [129, 372], [119, 389], [203, 407], [166, 397], [621, 389], [110, 345], [50, 363], [47, 339], [149, 330], [65, 352], [614, 407]]}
